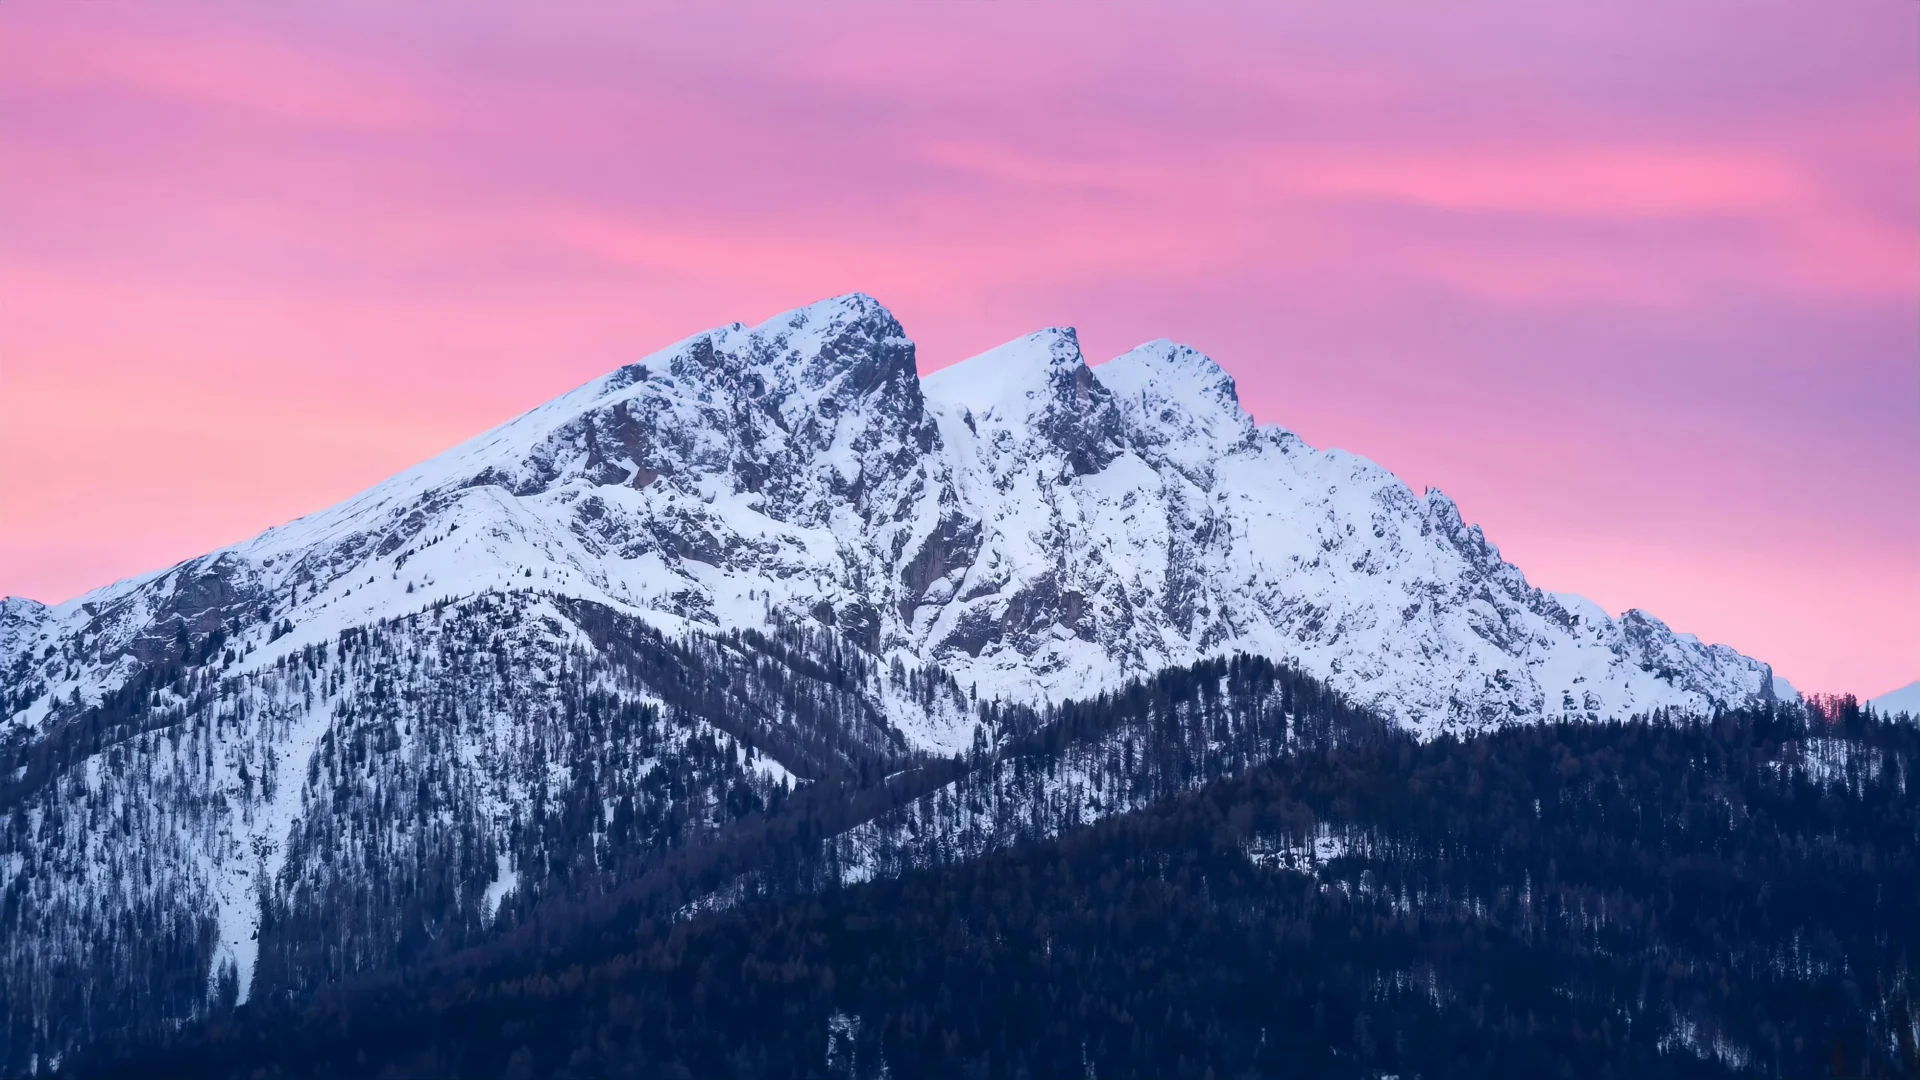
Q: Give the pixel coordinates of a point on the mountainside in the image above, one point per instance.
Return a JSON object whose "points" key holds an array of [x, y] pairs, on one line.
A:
{"points": [[762, 561]]}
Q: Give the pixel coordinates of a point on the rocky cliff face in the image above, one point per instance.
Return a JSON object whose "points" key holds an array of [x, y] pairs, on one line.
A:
{"points": [[758, 557]]}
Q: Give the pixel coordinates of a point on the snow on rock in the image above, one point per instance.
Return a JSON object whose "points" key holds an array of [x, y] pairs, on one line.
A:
{"points": [[505, 880]]}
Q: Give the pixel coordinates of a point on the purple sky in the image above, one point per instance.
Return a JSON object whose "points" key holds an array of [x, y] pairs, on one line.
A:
{"points": [[1638, 283]]}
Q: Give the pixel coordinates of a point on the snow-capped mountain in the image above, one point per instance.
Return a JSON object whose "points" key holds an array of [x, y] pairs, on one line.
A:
{"points": [[649, 607], [1035, 527]]}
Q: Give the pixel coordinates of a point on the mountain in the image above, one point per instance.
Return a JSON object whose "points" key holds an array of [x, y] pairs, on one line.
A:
{"points": [[1033, 526], [1904, 700], [761, 562]]}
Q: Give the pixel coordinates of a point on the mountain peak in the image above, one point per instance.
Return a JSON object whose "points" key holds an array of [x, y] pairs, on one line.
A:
{"points": [[815, 343], [1178, 399], [815, 327], [1169, 363], [848, 346], [1033, 396], [1009, 381]]}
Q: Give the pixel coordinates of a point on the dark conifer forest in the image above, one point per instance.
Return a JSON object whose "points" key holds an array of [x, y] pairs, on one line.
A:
{"points": [[1221, 873]]}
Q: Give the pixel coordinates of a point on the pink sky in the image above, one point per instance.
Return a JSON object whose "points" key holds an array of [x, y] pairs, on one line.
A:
{"points": [[1638, 283]]}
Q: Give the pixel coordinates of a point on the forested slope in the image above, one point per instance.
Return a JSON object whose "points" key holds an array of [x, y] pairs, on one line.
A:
{"points": [[1738, 896]]}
